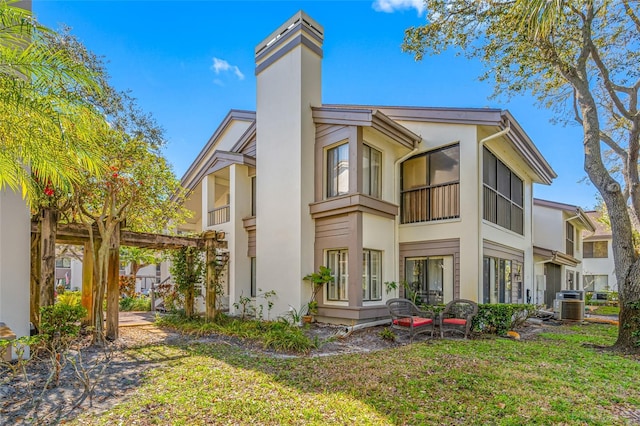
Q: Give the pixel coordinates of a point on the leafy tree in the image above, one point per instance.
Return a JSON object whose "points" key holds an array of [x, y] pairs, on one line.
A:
{"points": [[137, 258], [46, 122], [579, 57], [137, 189], [188, 270]]}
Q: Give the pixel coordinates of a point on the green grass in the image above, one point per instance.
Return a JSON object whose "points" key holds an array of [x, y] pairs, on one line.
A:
{"points": [[552, 379], [606, 310]]}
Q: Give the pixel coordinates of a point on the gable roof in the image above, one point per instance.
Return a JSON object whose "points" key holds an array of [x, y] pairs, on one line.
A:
{"points": [[366, 117], [577, 213], [602, 231], [522, 144], [190, 178]]}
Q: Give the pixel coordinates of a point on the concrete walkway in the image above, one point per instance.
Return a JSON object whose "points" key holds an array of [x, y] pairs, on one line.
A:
{"points": [[136, 319]]}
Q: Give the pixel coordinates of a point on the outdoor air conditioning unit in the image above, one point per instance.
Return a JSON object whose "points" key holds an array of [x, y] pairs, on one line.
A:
{"points": [[568, 309], [572, 310], [570, 295]]}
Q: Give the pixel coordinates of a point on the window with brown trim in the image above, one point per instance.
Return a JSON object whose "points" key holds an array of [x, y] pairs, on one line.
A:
{"points": [[595, 249], [571, 235], [430, 188], [371, 171], [338, 170], [338, 262], [371, 275], [503, 194]]}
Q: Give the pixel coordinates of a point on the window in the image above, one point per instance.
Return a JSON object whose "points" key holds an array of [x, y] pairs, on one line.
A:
{"points": [[593, 249], [338, 262], [65, 262], [570, 239], [371, 275], [371, 171], [253, 277], [338, 170], [497, 280], [503, 194], [596, 283], [431, 186], [430, 278]]}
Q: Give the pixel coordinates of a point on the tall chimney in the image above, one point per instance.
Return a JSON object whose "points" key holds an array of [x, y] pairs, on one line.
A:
{"points": [[288, 74]]}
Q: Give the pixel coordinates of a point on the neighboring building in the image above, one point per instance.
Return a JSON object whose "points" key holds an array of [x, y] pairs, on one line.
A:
{"points": [[599, 269], [439, 197], [557, 250], [69, 272]]}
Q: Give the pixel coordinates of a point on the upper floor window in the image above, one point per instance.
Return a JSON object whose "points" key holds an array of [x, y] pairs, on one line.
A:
{"points": [[371, 171], [338, 170], [64, 262], [599, 249], [570, 239], [431, 186], [503, 194]]}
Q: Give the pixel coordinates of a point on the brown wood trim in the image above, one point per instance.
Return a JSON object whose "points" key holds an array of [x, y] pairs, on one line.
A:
{"points": [[493, 249], [249, 223], [352, 203], [73, 233]]}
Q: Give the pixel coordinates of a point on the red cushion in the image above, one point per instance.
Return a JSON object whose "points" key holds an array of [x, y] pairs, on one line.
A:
{"points": [[455, 321], [417, 321]]}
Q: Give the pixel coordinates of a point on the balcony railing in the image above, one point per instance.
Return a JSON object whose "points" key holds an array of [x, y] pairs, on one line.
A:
{"points": [[433, 203], [218, 216]]}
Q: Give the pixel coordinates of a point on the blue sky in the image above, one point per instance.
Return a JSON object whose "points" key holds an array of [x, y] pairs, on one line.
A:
{"points": [[189, 62]]}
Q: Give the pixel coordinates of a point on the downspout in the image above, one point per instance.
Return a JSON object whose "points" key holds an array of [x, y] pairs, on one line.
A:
{"points": [[342, 333], [396, 236], [480, 193]]}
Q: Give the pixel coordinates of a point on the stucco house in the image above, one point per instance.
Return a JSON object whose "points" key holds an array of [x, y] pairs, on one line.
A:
{"points": [[439, 197], [598, 267], [557, 251]]}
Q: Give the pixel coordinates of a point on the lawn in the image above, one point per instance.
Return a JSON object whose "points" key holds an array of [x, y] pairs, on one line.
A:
{"points": [[606, 310], [550, 379]]}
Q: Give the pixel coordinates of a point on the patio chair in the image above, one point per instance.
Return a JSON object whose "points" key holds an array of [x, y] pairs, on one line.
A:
{"points": [[457, 316], [406, 316]]}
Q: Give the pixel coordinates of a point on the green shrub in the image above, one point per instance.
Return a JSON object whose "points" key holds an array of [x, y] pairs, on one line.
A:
{"points": [[277, 335], [70, 298], [61, 320], [498, 318], [141, 303]]}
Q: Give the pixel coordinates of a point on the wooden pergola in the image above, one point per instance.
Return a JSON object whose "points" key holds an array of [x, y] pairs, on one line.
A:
{"points": [[77, 234]]}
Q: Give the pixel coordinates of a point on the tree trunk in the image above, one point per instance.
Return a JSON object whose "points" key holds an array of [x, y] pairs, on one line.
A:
{"points": [[100, 258], [624, 254], [87, 283], [113, 285], [210, 280], [188, 295], [629, 317], [48, 227], [34, 311]]}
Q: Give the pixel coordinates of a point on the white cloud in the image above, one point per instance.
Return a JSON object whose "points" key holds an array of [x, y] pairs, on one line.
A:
{"points": [[220, 65], [390, 6]]}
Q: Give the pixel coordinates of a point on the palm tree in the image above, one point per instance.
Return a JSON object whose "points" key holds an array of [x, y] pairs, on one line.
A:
{"points": [[47, 122]]}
